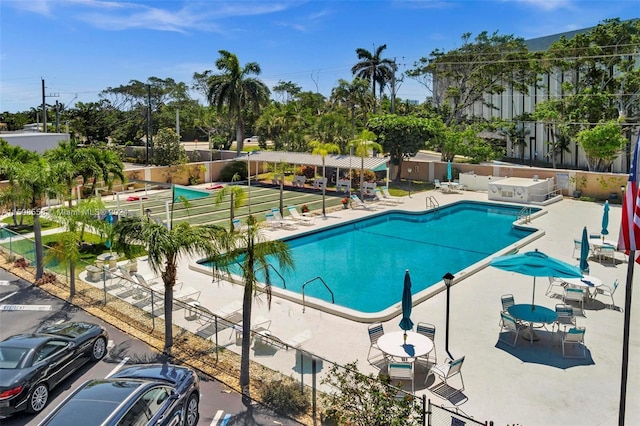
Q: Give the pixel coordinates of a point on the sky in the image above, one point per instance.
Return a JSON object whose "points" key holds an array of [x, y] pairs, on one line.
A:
{"points": [[82, 47]]}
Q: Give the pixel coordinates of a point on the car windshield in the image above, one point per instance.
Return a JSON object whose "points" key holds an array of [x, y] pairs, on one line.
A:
{"points": [[71, 330], [11, 357]]}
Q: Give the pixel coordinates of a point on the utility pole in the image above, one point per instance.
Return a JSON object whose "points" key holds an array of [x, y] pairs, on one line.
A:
{"points": [[57, 117], [44, 106], [393, 87]]}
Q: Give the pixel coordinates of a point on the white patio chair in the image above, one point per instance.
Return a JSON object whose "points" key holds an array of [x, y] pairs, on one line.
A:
{"points": [[428, 330], [402, 371], [380, 199], [565, 317], [607, 252], [375, 332], [447, 370], [577, 247], [285, 222], [238, 226], [356, 202], [437, 184], [574, 336], [573, 294], [385, 192], [555, 283], [272, 222], [509, 325], [605, 290]]}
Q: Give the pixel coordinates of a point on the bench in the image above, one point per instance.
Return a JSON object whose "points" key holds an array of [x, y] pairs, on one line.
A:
{"points": [[94, 274]]}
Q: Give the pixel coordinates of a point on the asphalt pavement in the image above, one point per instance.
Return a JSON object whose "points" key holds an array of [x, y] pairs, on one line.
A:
{"points": [[24, 308]]}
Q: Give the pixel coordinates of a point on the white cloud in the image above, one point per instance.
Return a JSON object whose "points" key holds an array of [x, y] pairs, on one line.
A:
{"points": [[546, 5]]}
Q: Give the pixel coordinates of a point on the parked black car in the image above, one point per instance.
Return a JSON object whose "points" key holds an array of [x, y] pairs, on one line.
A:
{"points": [[33, 364], [154, 394]]}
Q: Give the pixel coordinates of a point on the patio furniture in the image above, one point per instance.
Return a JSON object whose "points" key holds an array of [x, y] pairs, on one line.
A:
{"points": [[394, 345], [507, 302], [555, 283], [574, 294], [587, 282], [402, 371], [272, 222], [575, 336], [605, 290], [509, 325], [375, 332], [305, 220], [287, 222], [429, 330], [565, 316], [94, 273], [385, 192], [607, 252], [379, 198], [577, 246], [357, 202], [437, 184], [447, 370], [238, 226], [532, 314]]}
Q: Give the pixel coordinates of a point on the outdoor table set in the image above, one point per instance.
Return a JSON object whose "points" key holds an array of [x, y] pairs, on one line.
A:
{"points": [[394, 345]]}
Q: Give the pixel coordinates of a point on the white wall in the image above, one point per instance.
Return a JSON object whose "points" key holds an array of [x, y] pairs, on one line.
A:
{"points": [[38, 142]]}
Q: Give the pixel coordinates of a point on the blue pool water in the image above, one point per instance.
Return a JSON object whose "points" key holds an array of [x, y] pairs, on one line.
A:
{"points": [[364, 262]]}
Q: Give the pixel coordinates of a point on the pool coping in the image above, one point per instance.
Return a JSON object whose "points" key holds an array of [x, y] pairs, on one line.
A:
{"points": [[395, 309]]}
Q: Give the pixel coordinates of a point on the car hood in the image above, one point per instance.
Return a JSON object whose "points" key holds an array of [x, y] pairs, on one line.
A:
{"points": [[166, 372]]}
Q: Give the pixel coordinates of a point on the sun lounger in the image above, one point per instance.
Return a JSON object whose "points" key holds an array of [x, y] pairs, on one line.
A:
{"points": [[272, 222], [287, 222], [299, 218], [356, 202], [385, 192], [380, 199]]}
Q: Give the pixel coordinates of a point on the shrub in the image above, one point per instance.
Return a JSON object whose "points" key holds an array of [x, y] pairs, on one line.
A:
{"points": [[21, 263], [284, 397], [306, 171], [47, 278], [233, 168]]}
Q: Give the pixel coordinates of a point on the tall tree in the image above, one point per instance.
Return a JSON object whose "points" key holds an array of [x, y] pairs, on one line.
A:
{"points": [[602, 144], [165, 247], [374, 68], [354, 96], [106, 167], [256, 255], [236, 89], [323, 149], [365, 142], [465, 76]]}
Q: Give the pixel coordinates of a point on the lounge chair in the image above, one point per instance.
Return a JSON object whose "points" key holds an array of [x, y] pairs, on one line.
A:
{"points": [[356, 202], [238, 226], [271, 220], [402, 371], [447, 370], [305, 220], [575, 336], [437, 184], [389, 197], [287, 222], [380, 199]]}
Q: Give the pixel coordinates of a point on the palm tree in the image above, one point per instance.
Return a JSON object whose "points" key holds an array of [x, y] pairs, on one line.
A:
{"points": [[323, 149], [71, 162], [374, 68], [106, 165], [236, 89], [353, 95], [66, 251], [36, 181], [362, 145], [256, 254], [237, 197], [164, 248]]}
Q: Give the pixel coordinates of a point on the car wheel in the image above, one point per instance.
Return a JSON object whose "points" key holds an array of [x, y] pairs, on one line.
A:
{"points": [[99, 349], [191, 413], [38, 399]]}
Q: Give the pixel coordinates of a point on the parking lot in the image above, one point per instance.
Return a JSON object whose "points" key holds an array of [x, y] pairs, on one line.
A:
{"points": [[24, 309]]}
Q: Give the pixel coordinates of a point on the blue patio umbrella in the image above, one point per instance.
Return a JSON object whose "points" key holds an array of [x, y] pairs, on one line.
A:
{"points": [[605, 219], [407, 302], [584, 251], [449, 174], [109, 219], [536, 264]]}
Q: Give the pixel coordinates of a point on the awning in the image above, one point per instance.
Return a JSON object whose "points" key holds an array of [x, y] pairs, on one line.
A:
{"points": [[377, 164]]}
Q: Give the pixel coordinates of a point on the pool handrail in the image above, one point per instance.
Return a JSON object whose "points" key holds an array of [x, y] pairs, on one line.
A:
{"points": [[333, 300], [432, 202], [268, 265]]}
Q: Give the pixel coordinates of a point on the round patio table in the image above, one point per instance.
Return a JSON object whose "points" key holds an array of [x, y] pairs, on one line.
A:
{"points": [[393, 344], [587, 282], [532, 314]]}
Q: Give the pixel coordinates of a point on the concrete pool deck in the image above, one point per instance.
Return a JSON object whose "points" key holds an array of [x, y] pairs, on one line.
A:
{"points": [[530, 384]]}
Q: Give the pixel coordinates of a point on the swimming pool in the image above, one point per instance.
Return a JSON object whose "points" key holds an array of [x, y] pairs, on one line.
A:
{"points": [[363, 261]]}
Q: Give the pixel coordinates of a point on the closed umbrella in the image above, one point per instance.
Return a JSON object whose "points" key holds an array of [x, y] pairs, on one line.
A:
{"points": [[449, 174], [536, 264], [605, 219], [584, 252], [407, 302]]}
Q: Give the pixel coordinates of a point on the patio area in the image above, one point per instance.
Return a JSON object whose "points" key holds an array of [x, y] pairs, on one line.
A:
{"points": [[529, 384]]}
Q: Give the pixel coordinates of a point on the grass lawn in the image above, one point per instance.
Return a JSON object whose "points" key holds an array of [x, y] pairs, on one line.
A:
{"points": [[27, 224]]}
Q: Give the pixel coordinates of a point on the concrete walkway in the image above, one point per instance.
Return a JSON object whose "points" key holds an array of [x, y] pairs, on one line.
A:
{"points": [[531, 384]]}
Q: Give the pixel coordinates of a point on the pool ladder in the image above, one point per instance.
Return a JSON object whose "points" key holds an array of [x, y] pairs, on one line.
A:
{"points": [[284, 283], [524, 214], [310, 281], [432, 203]]}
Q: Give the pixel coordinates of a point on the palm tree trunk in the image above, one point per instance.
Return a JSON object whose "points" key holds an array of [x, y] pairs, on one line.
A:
{"points": [[247, 299], [72, 279], [168, 316], [324, 187], [362, 178], [37, 233]]}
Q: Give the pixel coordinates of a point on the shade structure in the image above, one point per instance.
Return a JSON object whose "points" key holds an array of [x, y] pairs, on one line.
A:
{"points": [[449, 174], [605, 219], [407, 302], [536, 264], [584, 251]]}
